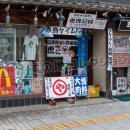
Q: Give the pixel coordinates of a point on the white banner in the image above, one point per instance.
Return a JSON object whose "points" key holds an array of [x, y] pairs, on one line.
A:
{"points": [[100, 24], [110, 46], [65, 31], [80, 20], [59, 47], [122, 86], [59, 87]]}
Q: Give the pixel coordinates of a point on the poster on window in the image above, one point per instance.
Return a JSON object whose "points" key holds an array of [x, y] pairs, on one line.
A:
{"points": [[81, 85], [7, 81], [60, 47], [27, 69], [59, 87], [122, 88], [37, 85], [80, 20], [121, 51], [7, 44]]}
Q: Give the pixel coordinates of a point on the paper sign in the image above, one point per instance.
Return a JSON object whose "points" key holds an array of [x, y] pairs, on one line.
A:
{"points": [[59, 87], [79, 20]]}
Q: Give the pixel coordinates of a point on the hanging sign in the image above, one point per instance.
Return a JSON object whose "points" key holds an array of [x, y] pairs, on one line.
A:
{"points": [[79, 20], [122, 86], [110, 46], [124, 25], [100, 24], [59, 87], [121, 51], [82, 55], [7, 81], [81, 85], [59, 47], [65, 31]]}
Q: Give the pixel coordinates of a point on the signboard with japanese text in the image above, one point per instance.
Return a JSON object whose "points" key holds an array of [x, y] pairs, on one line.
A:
{"points": [[59, 87], [82, 55], [7, 81], [80, 20], [81, 85], [59, 47], [124, 25], [122, 88], [110, 48], [37, 84], [100, 24], [64, 31], [121, 51]]}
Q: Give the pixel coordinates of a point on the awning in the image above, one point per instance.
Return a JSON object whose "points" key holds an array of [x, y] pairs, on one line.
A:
{"points": [[92, 5]]}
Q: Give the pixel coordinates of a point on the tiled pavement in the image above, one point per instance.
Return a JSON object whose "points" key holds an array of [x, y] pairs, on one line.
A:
{"points": [[109, 115]]}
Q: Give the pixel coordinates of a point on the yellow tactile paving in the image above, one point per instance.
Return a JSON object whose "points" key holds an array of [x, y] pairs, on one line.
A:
{"points": [[86, 122]]}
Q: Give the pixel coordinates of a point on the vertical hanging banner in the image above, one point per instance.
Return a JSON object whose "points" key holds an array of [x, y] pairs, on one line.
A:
{"points": [[82, 55], [59, 87], [81, 85], [7, 81], [110, 49]]}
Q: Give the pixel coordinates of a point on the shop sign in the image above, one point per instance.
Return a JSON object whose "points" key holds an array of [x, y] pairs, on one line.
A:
{"points": [[124, 25], [79, 20], [82, 55], [59, 87], [7, 81], [122, 86], [59, 47], [121, 51], [100, 24], [110, 50], [81, 85], [65, 31]]}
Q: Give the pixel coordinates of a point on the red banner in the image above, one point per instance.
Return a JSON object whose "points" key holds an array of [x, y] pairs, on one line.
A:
{"points": [[7, 81]]}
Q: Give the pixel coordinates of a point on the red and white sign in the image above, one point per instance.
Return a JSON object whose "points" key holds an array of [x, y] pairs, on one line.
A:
{"points": [[59, 87]]}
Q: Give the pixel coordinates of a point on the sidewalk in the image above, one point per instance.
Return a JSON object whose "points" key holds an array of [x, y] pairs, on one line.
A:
{"points": [[63, 104]]}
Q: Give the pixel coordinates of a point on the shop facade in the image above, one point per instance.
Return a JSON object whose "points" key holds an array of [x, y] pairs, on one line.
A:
{"points": [[41, 42]]}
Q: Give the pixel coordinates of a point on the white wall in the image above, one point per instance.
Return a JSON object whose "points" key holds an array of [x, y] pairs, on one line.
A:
{"points": [[99, 52]]}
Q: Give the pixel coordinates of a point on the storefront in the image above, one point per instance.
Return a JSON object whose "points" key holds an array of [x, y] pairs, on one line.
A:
{"points": [[45, 46]]}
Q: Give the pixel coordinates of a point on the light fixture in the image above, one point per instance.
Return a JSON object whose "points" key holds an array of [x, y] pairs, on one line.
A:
{"points": [[7, 18], [35, 17], [59, 15], [73, 11], [35, 20], [22, 6], [46, 32], [105, 14], [7, 8], [46, 12], [7, 14]]}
